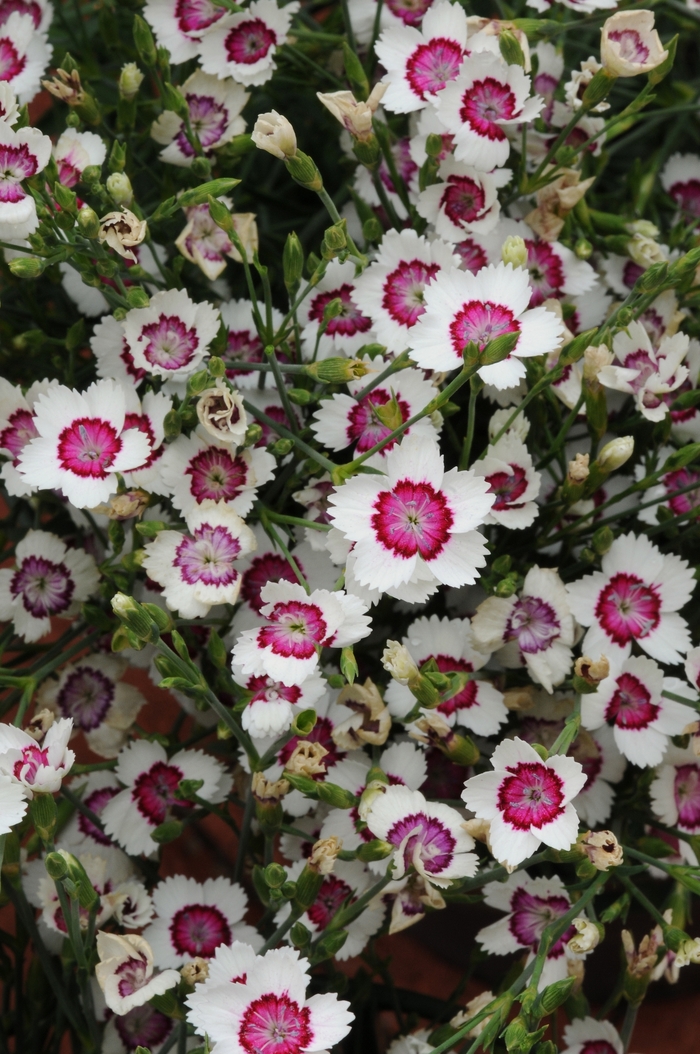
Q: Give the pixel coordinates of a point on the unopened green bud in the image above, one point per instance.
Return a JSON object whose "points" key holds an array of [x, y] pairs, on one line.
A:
{"points": [[253, 435], [553, 996], [602, 540], [510, 48], [56, 865], [434, 145], [335, 796], [304, 171], [198, 382], [65, 198], [300, 935], [685, 456], [374, 850], [172, 424], [597, 89], [167, 832], [372, 229], [44, 815], [27, 266], [583, 249], [275, 876], [200, 195], [119, 188], [137, 296], [308, 885], [135, 617], [367, 151], [161, 618], [143, 39], [292, 261], [282, 447], [117, 157], [300, 396], [88, 222], [615, 453], [337, 370], [216, 650], [514, 251], [123, 638]]}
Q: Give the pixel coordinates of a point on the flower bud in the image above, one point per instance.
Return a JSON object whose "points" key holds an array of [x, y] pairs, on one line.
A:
{"points": [[374, 850], [135, 618], [578, 469], [88, 222], [397, 661], [615, 453], [275, 134], [587, 937], [292, 261], [514, 251], [594, 359], [40, 724], [119, 188], [44, 814], [630, 45], [130, 80], [337, 370], [27, 266], [355, 116], [304, 171]]}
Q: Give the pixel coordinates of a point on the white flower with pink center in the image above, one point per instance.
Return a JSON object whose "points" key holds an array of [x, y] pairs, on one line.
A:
{"points": [[420, 62], [392, 288], [273, 705], [215, 117], [416, 518], [526, 800], [298, 625], [148, 416], [180, 24], [535, 629], [143, 1024], [642, 719], [644, 372], [675, 796], [150, 779], [530, 905], [476, 108], [244, 45], [348, 881], [197, 470], [125, 972], [81, 835], [635, 597], [346, 420], [171, 336], [48, 580], [675, 490], [629, 44], [350, 329], [507, 468], [24, 54], [195, 918], [200, 569], [463, 308], [82, 442], [680, 178], [450, 643], [101, 705], [465, 201], [393, 15], [263, 1006], [243, 343], [427, 836], [74, 152], [23, 154], [16, 429], [586, 1035], [38, 767]]}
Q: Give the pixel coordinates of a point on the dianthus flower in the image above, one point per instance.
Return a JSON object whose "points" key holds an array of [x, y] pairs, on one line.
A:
{"points": [[244, 44], [38, 767]]}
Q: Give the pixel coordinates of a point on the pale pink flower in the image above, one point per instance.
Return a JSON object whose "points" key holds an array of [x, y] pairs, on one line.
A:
{"points": [[263, 1004], [125, 972], [508, 469], [180, 24], [392, 288], [298, 625], [526, 800], [82, 442], [416, 518], [450, 642], [644, 372], [635, 597], [150, 780], [476, 108], [204, 243], [74, 152], [461, 308], [243, 46], [215, 118], [194, 918], [199, 570], [420, 62], [171, 336], [631, 700], [38, 767], [48, 579]]}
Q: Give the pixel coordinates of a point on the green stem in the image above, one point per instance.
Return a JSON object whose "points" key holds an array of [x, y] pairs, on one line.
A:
{"points": [[471, 422], [248, 814]]}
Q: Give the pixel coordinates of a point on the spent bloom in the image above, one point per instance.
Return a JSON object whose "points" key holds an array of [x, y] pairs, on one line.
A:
{"points": [[125, 972]]}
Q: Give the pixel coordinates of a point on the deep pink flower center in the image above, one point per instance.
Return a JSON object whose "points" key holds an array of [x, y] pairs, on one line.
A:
{"points": [[208, 556], [365, 428], [88, 447], [216, 475], [481, 322], [472, 255], [463, 199], [45, 588], [628, 609], [86, 696], [686, 791], [132, 976], [96, 803], [409, 11], [631, 706], [331, 897], [403, 290], [411, 519], [28, 765], [432, 65], [465, 699], [508, 487], [427, 839], [275, 1024], [194, 16], [546, 272], [532, 796], [598, 1046], [270, 567], [199, 929], [18, 431], [350, 319], [687, 196], [171, 345], [682, 479], [533, 623], [154, 791], [209, 120], [485, 103], [249, 41], [297, 628], [11, 65], [630, 45], [265, 690], [143, 1027], [531, 916]]}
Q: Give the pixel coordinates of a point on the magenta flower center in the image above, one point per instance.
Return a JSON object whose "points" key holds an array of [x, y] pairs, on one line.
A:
{"points": [[598, 1046], [297, 628], [193, 16], [86, 696], [331, 897], [170, 344], [45, 588], [486, 102], [135, 372], [96, 803], [349, 321], [216, 475], [481, 322], [630, 45], [532, 796], [132, 976], [208, 557], [533, 623], [631, 706], [463, 200], [208, 119], [404, 288], [154, 791], [199, 929], [365, 428], [425, 838], [27, 766], [16, 162], [686, 791], [409, 11], [432, 65], [508, 487], [465, 699], [532, 914], [275, 1024], [265, 690], [266, 568], [18, 431], [250, 41], [412, 518], [546, 272], [88, 447], [143, 1027], [680, 480], [472, 255], [687, 196], [627, 609]]}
